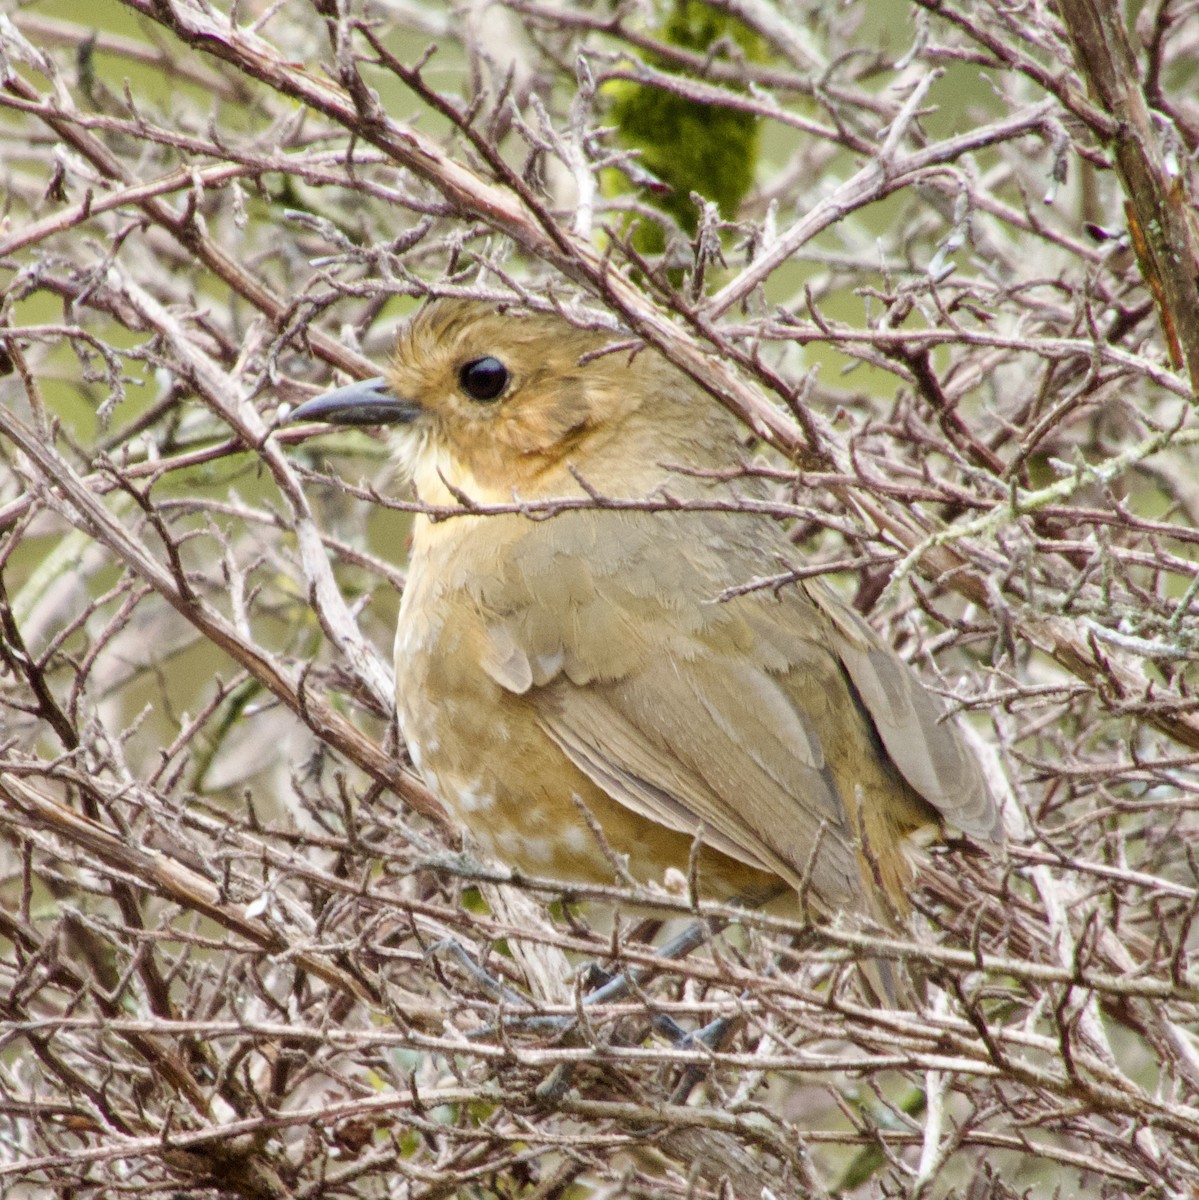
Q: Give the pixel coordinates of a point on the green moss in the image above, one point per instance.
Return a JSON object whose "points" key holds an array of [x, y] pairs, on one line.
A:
{"points": [[689, 147]]}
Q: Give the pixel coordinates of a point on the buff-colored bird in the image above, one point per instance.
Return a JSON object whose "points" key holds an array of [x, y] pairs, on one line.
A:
{"points": [[588, 662]]}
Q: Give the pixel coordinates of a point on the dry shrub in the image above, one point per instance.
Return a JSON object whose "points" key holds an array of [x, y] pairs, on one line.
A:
{"points": [[243, 955]]}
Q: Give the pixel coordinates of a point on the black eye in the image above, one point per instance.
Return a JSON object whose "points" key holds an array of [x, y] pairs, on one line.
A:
{"points": [[483, 378]]}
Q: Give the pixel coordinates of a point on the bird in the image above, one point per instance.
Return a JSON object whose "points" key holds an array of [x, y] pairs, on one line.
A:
{"points": [[594, 688]]}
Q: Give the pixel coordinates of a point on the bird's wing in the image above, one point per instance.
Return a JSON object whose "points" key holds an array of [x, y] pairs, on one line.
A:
{"points": [[921, 740], [675, 706], [717, 749]]}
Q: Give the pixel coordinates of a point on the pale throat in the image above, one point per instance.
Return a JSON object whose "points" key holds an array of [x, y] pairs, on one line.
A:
{"points": [[434, 473], [440, 478]]}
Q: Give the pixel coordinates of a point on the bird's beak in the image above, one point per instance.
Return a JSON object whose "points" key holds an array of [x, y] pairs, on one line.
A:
{"points": [[368, 402]]}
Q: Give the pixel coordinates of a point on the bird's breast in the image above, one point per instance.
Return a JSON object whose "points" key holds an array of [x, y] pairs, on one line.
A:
{"points": [[480, 747]]}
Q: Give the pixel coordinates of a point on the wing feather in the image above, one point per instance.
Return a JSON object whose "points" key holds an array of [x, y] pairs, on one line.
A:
{"points": [[751, 777], [921, 740]]}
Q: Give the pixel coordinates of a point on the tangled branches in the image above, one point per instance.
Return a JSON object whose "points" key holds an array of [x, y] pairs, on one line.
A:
{"points": [[956, 310]]}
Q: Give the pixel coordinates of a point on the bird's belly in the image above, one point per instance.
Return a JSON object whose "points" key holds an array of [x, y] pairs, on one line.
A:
{"points": [[523, 802]]}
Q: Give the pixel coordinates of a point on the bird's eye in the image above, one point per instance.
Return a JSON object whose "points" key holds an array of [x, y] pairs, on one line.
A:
{"points": [[484, 379]]}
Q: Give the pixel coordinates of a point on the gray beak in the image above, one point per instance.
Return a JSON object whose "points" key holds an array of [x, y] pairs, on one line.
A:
{"points": [[368, 402]]}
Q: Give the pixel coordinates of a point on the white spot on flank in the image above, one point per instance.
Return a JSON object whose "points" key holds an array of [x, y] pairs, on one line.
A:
{"points": [[577, 838], [539, 849], [472, 797], [516, 846]]}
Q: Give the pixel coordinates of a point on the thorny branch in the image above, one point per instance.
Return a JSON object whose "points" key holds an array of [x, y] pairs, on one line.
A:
{"points": [[971, 380]]}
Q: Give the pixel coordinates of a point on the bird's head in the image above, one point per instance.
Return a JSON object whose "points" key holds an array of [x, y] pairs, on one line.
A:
{"points": [[496, 403]]}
